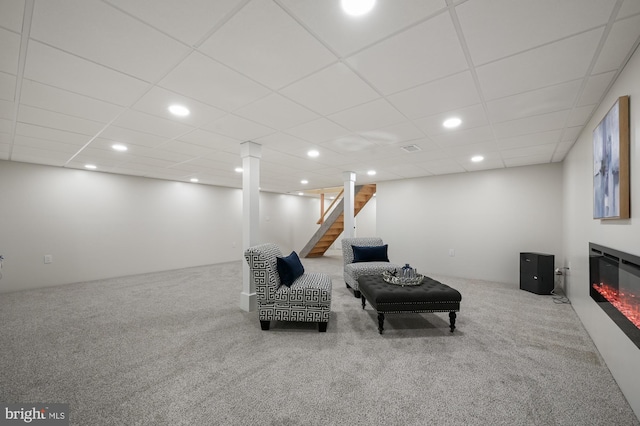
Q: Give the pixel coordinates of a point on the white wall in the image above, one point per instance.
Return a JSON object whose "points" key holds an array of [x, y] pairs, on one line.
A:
{"points": [[99, 225], [486, 217], [622, 356]]}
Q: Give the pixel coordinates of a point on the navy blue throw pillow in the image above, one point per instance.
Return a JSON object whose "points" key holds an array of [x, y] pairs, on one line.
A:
{"points": [[289, 268], [370, 254]]}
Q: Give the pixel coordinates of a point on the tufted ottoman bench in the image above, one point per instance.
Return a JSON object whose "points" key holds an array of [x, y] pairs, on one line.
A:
{"points": [[430, 296]]}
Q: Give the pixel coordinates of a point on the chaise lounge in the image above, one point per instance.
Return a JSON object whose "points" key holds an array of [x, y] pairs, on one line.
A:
{"points": [[369, 258], [284, 292]]}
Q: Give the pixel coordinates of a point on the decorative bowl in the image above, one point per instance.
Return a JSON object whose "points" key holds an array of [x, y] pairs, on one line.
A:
{"points": [[402, 281]]}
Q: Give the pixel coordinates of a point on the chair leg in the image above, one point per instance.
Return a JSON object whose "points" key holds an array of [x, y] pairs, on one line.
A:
{"points": [[356, 294], [322, 327], [265, 324]]}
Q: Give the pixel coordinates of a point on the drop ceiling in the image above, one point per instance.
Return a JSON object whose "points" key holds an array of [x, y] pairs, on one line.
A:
{"points": [[77, 76]]}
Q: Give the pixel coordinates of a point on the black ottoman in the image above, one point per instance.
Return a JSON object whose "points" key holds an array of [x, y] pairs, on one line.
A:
{"points": [[430, 296]]}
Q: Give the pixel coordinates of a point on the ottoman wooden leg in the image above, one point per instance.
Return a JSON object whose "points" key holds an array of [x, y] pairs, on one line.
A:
{"points": [[356, 294], [380, 322], [452, 321], [364, 301]]}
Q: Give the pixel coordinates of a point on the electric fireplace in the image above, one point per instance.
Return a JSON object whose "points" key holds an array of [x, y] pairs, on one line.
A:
{"points": [[615, 286]]}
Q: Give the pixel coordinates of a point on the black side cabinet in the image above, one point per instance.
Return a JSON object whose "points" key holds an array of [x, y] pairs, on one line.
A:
{"points": [[536, 272]]}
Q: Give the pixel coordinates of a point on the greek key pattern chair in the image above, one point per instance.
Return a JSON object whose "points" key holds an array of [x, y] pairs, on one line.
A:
{"points": [[353, 271], [307, 300]]}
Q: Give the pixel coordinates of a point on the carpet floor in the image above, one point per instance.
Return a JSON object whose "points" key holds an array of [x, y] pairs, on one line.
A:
{"points": [[174, 348]]}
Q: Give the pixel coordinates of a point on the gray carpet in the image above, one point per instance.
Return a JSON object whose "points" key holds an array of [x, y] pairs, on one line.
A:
{"points": [[173, 348]]}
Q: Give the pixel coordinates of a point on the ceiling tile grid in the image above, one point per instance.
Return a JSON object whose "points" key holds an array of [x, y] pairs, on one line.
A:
{"points": [[78, 76]]}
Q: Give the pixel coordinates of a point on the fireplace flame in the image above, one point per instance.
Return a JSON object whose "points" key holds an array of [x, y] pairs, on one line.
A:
{"points": [[627, 304]]}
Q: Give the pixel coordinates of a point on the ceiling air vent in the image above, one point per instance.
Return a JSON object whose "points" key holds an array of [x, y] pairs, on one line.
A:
{"points": [[411, 148]]}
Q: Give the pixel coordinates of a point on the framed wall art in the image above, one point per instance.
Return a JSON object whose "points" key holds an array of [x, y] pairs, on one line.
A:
{"points": [[611, 163]]}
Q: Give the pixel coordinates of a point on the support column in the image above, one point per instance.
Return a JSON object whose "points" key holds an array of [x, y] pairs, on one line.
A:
{"points": [[349, 179], [250, 153]]}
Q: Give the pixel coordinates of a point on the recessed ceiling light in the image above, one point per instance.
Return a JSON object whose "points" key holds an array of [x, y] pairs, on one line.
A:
{"points": [[357, 7], [477, 158], [238, 169], [179, 110], [452, 122], [300, 193], [371, 172], [119, 147], [313, 153], [194, 180], [304, 181], [90, 166]]}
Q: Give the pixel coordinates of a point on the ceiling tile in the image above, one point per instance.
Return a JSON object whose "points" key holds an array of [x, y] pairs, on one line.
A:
{"points": [[347, 34], [623, 36], [550, 99], [318, 131], [56, 68], [128, 136], [239, 128], [65, 102], [146, 123], [55, 120], [629, 7], [471, 116], [213, 141], [394, 134], [7, 86], [545, 151], [464, 136], [10, 48], [11, 16], [104, 35], [248, 44], [370, 116], [450, 93], [527, 71], [542, 138], [407, 59], [6, 125], [27, 154], [6, 109], [580, 116], [277, 112], [187, 20], [533, 124], [490, 36], [595, 88], [210, 82], [47, 133], [157, 101], [330, 90]]}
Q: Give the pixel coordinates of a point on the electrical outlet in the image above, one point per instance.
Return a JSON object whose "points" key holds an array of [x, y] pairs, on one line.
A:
{"points": [[48, 258]]}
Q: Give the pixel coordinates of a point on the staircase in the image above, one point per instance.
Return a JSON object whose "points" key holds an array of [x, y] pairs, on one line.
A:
{"points": [[333, 225]]}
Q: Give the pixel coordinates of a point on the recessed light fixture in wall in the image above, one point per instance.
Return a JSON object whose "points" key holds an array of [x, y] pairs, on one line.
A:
{"points": [[477, 158], [90, 166], [119, 147], [179, 110], [313, 153], [452, 123], [357, 7], [238, 169]]}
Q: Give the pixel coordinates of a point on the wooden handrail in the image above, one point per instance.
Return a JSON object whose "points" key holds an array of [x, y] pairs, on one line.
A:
{"points": [[323, 212]]}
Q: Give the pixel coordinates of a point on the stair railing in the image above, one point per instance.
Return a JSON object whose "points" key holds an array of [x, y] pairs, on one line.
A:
{"points": [[323, 212]]}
